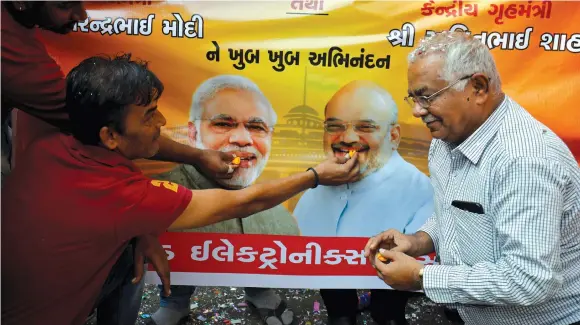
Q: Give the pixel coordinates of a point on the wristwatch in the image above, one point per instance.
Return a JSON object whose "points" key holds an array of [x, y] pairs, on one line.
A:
{"points": [[421, 276]]}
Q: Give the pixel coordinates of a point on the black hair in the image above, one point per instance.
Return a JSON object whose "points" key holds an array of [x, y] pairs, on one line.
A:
{"points": [[100, 88], [28, 17]]}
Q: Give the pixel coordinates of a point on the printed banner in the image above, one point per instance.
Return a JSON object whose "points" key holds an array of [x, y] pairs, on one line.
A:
{"points": [[283, 84], [270, 261]]}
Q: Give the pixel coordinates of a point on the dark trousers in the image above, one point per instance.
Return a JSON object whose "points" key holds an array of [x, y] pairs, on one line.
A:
{"points": [[453, 316], [120, 300], [385, 304]]}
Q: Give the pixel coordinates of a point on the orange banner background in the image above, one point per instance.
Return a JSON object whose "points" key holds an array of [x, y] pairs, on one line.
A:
{"points": [[544, 82]]}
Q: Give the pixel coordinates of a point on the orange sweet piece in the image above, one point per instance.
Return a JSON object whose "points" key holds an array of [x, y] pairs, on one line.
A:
{"points": [[381, 257], [236, 161], [351, 152]]}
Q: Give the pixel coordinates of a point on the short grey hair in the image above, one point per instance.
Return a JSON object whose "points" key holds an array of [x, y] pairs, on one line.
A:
{"points": [[209, 89], [464, 55]]}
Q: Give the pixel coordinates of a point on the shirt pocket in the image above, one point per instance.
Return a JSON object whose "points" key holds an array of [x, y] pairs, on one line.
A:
{"points": [[475, 236]]}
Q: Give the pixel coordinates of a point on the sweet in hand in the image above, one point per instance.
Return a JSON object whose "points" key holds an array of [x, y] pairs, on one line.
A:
{"points": [[350, 154]]}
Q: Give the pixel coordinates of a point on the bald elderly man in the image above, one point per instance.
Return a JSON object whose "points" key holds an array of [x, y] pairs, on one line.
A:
{"points": [[362, 116]]}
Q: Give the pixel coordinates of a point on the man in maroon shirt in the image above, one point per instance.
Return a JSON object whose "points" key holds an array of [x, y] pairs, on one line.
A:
{"points": [[34, 83], [73, 203]]}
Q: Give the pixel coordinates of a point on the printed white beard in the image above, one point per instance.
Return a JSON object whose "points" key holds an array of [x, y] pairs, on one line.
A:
{"points": [[376, 161], [243, 177]]}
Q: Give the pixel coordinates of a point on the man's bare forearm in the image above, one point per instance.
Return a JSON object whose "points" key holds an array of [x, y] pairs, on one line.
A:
{"points": [[173, 151], [216, 205], [422, 244], [260, 197]]}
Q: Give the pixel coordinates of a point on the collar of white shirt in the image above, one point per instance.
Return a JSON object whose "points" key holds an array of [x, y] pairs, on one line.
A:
{"points": [[474, 146]]}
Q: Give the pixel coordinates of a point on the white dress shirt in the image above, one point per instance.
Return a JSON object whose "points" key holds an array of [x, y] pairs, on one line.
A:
{"points": [[519, 262]]}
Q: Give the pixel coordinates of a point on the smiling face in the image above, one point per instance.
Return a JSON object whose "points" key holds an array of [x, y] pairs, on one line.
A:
{"points": [[359, 117], [236, 121], [452, 115]]}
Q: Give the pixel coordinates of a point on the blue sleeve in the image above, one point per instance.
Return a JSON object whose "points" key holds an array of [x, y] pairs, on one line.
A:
{"points": [[425, 209], [301, 210], [421, 217]]}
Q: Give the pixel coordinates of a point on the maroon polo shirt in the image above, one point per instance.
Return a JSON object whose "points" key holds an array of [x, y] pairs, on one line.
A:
{"points": [[33, 82], [68, 211]]}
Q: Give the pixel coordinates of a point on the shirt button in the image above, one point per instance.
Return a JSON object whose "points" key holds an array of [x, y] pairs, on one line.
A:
{"points": [[343, 197]]}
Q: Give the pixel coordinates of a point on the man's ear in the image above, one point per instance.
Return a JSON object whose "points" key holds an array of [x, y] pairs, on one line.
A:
{"points": [[481, 87], [395, 136], [109, 138], [191, 133]]}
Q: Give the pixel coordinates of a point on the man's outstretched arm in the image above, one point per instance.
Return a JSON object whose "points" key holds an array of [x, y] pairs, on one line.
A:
{"points": [[38, 87], [215, 205], [212, 163]]}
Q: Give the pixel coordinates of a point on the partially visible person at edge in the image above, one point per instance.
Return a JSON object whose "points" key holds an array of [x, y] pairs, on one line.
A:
{"points": [[510, 253], [230, 113], [33, 83], [78, 200]]}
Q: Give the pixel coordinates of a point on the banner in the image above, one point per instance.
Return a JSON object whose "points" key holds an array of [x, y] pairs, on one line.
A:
{"points": [[270, 261], [269, 79]]}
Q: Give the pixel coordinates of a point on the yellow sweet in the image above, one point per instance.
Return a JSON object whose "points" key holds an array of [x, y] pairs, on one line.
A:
{"points": [[351, 152], [381, 257], [236, 161]]}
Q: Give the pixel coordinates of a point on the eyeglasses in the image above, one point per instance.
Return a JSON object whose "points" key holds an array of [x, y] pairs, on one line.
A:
{"points": [[360, 127], [425, 101], [222, 126]]}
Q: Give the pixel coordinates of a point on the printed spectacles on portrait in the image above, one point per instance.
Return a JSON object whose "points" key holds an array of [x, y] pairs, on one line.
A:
{"points": [[254, 126], [360, 127]]}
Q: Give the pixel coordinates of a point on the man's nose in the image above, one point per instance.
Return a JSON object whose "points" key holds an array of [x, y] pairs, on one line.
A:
{"points": [[419, 111], [241, 136], [349, 136], [161, 121]]}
